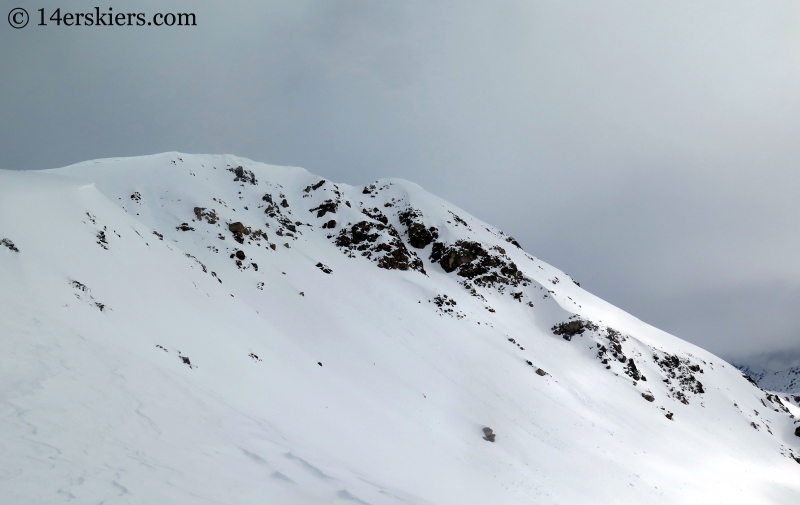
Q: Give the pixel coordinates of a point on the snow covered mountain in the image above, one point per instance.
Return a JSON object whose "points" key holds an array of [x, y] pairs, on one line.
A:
{"points": [[784, 381], [206, 329]]}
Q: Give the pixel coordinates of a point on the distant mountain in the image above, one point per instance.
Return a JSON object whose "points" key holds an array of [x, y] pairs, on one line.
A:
{"points": [[784, 381], [186, 329]]}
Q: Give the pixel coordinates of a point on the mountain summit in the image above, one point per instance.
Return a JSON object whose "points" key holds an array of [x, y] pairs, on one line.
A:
{"points": [[192, 329]]}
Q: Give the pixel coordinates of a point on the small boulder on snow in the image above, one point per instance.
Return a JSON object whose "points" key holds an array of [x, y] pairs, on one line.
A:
{"points": [[6, 242], [237, 227]]}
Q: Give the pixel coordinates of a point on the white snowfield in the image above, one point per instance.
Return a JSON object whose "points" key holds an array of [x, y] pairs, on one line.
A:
{"points": [[147, 356]]}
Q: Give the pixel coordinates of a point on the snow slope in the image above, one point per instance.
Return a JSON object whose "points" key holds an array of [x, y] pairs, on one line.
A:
{"points": [[333, 360]]}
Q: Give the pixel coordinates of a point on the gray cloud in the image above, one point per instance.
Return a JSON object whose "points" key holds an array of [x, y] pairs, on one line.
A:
{"points": [[648, 149]]}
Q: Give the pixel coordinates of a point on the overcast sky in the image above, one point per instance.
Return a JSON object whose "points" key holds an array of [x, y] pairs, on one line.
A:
{"points": [[649, 149]]}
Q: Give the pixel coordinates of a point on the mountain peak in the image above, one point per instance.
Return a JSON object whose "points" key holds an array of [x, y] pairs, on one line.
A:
{"points": [[222, 328]]}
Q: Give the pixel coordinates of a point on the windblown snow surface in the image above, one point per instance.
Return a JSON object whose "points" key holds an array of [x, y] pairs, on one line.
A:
{"points": [[185, 329]]}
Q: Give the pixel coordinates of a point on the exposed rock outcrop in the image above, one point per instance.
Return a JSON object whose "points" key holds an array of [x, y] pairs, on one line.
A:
{"points": [[326, 207], [485, 268], [419, 236], [381, 243], [8, 243], [243, 175]]}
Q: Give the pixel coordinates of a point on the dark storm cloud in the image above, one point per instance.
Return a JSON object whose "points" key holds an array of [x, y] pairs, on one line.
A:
{"points": [[647, 148]]}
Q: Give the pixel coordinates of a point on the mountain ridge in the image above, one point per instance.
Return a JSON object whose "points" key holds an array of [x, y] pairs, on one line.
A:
{"points": [[782, 381], [322, 340]]}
